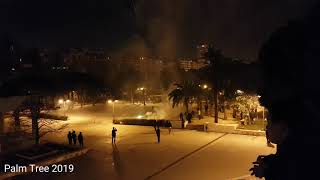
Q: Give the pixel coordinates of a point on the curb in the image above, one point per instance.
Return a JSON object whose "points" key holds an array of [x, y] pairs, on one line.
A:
{"points": [[226, 128], [47, 162]]}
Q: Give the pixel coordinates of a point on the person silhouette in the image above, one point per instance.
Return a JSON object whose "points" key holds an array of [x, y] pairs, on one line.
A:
{"points": [[74, 137], [289, 94], [158, 134], [182, 120], [114, 134], [80, 139], [69, 137]]}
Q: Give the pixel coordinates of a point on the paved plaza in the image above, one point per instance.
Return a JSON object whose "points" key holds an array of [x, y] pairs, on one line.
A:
{"points": [[183, 154]]}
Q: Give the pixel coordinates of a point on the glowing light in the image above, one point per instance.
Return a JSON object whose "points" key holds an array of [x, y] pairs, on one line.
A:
{"points": [[109, 101], [139, 116], [60, 101], [68, 101], [116, 101], [239, 91], [205, 86]]}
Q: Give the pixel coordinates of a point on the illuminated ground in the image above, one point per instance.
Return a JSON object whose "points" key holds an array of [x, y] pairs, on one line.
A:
{"points": [[184, 154]]}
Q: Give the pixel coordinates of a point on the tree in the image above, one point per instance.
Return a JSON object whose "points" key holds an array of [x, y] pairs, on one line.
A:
{"points": [[40, 85], [184, 93], [216, 58], [41, 123], [16, 117], [245, 103]]}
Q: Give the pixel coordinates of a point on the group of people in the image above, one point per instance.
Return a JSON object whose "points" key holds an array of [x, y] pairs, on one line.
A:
{"points": [[72, 138], [156, 128], [187, 116], [166, 124]]}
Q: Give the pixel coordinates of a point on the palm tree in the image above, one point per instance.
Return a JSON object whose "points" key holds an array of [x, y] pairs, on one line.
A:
{"points": [[216, 58], [184, 93]]}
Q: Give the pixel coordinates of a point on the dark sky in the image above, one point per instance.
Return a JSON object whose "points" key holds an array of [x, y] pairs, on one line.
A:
{"points": [[159, 27]]}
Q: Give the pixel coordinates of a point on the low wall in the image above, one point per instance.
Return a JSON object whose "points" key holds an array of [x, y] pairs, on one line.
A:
{"points": [[225, 128]]}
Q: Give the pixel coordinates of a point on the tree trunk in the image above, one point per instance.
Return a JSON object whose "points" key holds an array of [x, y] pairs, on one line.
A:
{"points": [[35, 130], [224, 110], [215, 99], [131, 93], [16, 117], [144, 97], [187, 106], [35, 113]]}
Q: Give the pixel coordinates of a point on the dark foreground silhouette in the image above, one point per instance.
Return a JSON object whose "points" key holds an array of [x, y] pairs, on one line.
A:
{"points": [[290, 91]]}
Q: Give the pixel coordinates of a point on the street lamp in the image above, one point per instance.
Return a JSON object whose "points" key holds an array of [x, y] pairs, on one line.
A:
{"points": [[205, 86], [64, 102], [60, 101], [112, 102], [143, 90]]}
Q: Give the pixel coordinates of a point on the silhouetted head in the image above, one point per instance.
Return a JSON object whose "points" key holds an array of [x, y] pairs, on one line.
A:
{"points": [[290, 69], [281, 58]]}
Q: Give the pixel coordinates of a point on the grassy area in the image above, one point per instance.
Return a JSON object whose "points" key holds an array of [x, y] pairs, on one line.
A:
{"points": [[258, 125]]}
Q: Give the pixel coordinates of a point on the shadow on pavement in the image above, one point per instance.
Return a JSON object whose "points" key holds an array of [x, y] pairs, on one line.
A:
{"points": [[117, 164]]}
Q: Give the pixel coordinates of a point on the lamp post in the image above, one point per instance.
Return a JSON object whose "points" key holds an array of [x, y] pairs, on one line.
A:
{"points": [[112, 102], [64, 102], [143, 90], [144, 95]]}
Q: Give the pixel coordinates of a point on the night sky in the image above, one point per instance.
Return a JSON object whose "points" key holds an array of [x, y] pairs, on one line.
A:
{"points": [[159, 27]]}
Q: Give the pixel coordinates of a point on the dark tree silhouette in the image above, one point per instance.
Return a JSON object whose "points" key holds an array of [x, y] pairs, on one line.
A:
{"points": [[184, 93], [38, 86]]}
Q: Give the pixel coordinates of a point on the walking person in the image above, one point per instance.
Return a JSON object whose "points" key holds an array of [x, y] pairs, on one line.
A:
{"points": [[199, 113], [206, 127], [169, 127], [80, 139], [189, 117], [206, 107], [155, 125], [114, 134], [74, 137], [158, 134], [70, 138], [182, 120]]}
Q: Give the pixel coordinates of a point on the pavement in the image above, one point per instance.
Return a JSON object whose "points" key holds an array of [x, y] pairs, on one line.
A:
{"points": [[183, 154]]}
